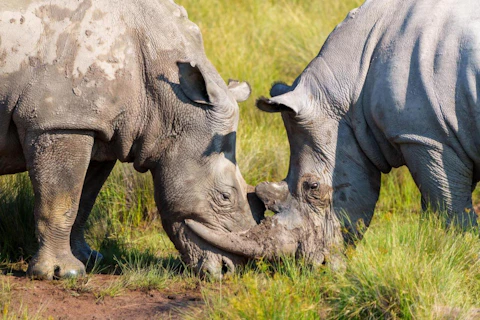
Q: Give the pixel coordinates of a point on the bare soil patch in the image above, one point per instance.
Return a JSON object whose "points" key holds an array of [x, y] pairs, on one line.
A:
{"points": [[59, 300]]}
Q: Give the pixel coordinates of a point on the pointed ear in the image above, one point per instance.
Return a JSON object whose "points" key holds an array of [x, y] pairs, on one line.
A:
{"points": [[196, 86], [283, 102], [279, 88], [240, 90]]}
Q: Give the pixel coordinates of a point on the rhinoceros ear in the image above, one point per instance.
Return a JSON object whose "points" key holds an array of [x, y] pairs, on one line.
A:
{"points": [[280, 103], [196, 86], [279, 88], [241, 90]]}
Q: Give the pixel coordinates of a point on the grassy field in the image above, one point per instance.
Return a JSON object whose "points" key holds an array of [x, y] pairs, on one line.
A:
{"points": [[408, 266]]}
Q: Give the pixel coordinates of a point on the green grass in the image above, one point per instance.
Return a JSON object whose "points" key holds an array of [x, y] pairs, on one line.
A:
{"points": [[287, 289], [408, 266]]}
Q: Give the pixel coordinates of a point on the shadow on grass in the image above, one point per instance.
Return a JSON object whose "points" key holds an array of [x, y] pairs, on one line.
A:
{"points": [[117, 256], [117, 260], [17, 226]]}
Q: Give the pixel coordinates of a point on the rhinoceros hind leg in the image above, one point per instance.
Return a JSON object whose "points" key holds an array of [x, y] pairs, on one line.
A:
{"points": [[97, 173], [57, 163], [444, 180]]}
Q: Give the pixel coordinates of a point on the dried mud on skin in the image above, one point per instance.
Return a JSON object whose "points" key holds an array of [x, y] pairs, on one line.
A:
{"points": [[51, 300]]}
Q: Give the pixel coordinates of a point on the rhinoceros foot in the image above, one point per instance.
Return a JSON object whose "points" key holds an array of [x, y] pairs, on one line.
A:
{"points": [[49, 267], [90, 258]]}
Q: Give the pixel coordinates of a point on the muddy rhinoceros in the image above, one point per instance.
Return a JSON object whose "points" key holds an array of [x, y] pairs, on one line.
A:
{"points": [[396, 83], [86, 83]]}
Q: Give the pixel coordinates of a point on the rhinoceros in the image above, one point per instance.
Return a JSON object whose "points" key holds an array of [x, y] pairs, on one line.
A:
{"points": [[86, 83], [396, 83]]}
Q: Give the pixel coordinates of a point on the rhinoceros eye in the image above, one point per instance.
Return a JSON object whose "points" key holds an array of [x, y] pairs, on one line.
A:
{"points": [[314, 185], [225, 196]]}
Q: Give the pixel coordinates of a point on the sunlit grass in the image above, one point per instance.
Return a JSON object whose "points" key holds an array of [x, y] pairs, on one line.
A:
{"points": [[404, 268], [287, 289], [410, 267]]}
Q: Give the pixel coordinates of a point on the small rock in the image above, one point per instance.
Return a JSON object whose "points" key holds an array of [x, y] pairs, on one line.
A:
{"points": [[194, 299], [77, 91]]}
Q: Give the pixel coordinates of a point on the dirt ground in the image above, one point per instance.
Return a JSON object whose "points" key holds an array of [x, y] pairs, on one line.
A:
{"points": [[56, 300]]}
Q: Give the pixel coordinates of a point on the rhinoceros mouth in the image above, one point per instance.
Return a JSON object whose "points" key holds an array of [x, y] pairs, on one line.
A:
{"points": [[219, 265]]}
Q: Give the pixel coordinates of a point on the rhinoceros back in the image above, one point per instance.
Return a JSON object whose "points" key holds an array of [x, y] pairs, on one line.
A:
{"points": [[421, 85]]}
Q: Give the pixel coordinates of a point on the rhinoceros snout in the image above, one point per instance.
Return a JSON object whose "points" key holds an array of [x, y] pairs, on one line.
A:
{"points": [[273, 194]]}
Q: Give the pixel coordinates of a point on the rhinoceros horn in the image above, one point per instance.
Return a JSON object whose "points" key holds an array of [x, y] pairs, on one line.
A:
{"points": [[274, 236], [268, 239]]}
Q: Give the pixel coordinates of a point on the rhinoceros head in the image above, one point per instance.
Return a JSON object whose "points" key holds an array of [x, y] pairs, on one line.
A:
{"points": [[196, 175], [329, 182]]}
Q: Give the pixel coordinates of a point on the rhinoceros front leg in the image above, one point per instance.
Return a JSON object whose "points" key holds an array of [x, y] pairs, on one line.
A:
{"points": [[444, 180], [57, 163], [97, 173]]}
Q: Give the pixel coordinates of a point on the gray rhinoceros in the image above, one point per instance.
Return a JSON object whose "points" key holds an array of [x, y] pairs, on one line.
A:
{"points": [[396, 83], [86, 83]]}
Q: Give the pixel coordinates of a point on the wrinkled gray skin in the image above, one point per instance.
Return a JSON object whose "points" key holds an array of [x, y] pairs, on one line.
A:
{"points": [[86, 83], [395, 84]]}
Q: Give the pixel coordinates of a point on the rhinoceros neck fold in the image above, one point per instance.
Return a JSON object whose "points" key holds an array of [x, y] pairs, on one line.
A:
{"points": [[339, 71], [337, 76]]}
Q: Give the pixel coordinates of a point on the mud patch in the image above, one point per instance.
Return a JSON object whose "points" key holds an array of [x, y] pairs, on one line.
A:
{"points": [[53, 299]]}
